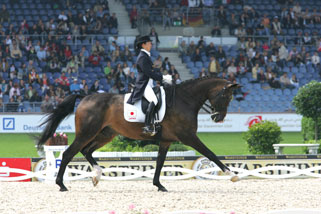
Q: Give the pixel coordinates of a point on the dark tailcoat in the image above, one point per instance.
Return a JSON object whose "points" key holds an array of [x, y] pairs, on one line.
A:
{"points": [[145, 71]]}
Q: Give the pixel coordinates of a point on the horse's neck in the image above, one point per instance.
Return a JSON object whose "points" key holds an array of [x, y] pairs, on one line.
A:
{"points": [[199, 91]]}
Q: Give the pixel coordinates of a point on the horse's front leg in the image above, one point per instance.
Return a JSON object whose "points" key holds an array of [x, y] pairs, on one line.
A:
{"points": [[193, 141], [163, 148]]}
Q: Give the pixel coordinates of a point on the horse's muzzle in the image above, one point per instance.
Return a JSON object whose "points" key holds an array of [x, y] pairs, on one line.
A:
{"points": [[217, 117]]}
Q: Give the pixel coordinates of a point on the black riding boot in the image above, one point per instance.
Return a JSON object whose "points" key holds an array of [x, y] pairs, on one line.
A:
{"points": [[149, 120]]}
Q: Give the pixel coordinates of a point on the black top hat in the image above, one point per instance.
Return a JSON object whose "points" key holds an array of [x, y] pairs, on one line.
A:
{"points": [[142, 40]]}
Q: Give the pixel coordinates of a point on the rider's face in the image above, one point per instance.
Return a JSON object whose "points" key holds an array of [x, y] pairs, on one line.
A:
{"points": [[147, 46]]}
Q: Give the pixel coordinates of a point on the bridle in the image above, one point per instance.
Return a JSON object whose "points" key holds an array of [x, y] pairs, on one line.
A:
{"points": [[215, 110], [208, 108]]}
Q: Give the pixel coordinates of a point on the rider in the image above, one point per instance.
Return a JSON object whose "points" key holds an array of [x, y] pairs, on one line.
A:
{"points": [[144, 82]]}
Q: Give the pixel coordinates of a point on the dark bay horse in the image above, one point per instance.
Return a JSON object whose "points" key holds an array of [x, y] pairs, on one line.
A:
{"points": [[99, 118]]}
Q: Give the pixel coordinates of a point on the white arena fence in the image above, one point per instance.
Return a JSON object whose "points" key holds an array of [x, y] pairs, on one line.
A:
{"points": [[209, 172]]}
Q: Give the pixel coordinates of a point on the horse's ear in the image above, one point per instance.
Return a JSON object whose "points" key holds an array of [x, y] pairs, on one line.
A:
{"points": [[234, 86]]}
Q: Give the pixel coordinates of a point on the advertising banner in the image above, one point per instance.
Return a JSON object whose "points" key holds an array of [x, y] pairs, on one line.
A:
{"points": [[232, 123], [241, 122], [29, 123], [195, 163], [17, 163]]}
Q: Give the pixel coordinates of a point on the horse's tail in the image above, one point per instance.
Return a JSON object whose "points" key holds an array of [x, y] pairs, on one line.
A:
{"points": [[56, 116]]}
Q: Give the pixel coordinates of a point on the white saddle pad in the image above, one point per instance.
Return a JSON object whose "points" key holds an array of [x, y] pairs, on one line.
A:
{"points": [[134, 113]]}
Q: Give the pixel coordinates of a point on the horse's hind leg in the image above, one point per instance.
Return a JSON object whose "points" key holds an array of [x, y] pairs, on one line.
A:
{"points": [[196, 143], [163, 148], [105, 136]]}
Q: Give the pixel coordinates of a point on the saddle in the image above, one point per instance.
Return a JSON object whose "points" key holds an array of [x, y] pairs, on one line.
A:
{"points": [[136, 112]]}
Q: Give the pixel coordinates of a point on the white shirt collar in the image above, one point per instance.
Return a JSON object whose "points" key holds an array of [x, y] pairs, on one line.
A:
{"points": [[148, 53]]}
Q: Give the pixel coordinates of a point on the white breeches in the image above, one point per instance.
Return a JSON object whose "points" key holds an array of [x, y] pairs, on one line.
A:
{"points": [[149, 93]]}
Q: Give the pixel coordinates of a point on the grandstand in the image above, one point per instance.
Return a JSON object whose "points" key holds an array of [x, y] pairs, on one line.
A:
{"points": [[89, 41]]}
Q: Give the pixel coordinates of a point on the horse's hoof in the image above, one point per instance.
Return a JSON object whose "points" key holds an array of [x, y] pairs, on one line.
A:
{"points": [[63, 189], [235, 178], [95, 181], [162, 189], [98, 171]]}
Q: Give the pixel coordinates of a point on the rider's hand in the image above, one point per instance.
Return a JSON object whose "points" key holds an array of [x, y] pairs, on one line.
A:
{"points": [[167, 79]]}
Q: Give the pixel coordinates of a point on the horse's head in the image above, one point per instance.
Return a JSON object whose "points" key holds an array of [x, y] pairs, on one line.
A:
{"points": [[220, 101]]}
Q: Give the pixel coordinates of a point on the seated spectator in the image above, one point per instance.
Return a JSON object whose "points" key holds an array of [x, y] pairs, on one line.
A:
{"points": [[294, 81], [166, 64], [203, 73], [276, 26], [197, 56], [172, 71], [210, 50], [13, 72], [285, 81], [126, 69], [191, 48], [62, 16], [14, 91], [114, 89], [44, 82], [315, 60], [94, 59], [33, 76], [41, 54], [238, 93], [30, 92], [232, 69], [307, 39], [126, 55], [4, 14], [95, 87], [4, 65], [131, 78], [177, 79], [231, 77], [115, 55], [274, 82], [241, 69], [67, 52], [108, 68], [220, 54], [63, 82], [241, 44], [54, 65], [85, 91], [47, 104], [82, 84], [83, 56], [72, 65], [98, 48], [75, 87], [15, 52], [261, 77]]}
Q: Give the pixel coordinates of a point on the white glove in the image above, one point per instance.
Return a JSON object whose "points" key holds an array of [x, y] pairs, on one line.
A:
{"points": [[167, 79]]}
